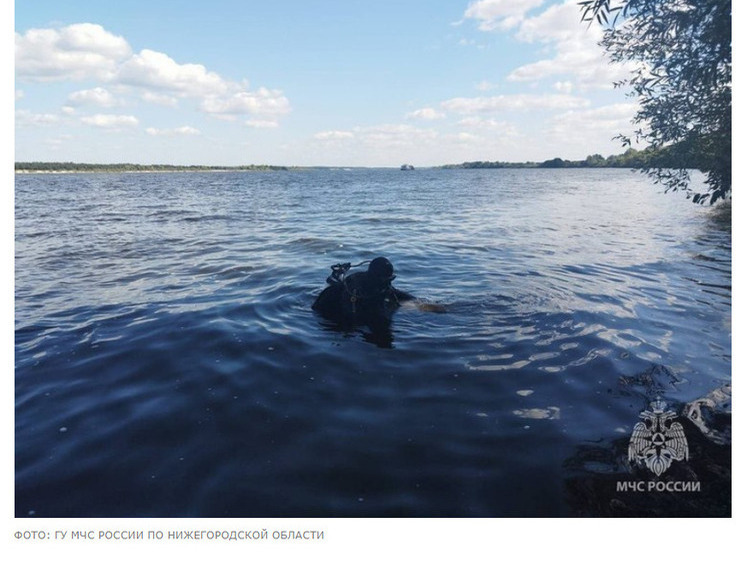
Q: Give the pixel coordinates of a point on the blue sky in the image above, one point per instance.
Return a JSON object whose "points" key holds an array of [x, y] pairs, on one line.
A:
{"points": [[340, 83]]}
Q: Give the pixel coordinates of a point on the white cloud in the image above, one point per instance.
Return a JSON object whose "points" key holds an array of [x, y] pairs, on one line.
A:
{"points": [[586, 65], [394, 136], [517, 102], [159, 99], [80, 51], [557, 23], [485, 86], [565, 87], [577, 56], [427, 114], [462, 138], [592, 127], [261, 124], [178, 131], [333, 135], [25, 118], [499, 14], [260, 102], [108, 121], [89, 52], [388, 144], [186, 130], [19, 94], [68, 110], [96, 96], [502, 127], [151, 69], [577, 53], [382, 137], [58, 142]]}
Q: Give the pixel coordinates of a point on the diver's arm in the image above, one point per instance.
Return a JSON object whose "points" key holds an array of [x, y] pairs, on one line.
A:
{"points": [[418, 303], [402, 296]]}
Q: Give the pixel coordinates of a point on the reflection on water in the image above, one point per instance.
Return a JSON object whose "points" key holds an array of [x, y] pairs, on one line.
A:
{"points": [[549, 413], [168, 362]]}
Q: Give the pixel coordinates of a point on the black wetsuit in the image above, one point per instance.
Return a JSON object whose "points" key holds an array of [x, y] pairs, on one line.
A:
{"points": [[360, 299]]}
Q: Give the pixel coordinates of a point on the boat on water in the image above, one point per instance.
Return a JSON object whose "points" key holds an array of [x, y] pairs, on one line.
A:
{"points": [[407, 167]]}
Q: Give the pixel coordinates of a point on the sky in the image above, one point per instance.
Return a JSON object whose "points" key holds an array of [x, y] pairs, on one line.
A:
{"points": [[311, 82]]}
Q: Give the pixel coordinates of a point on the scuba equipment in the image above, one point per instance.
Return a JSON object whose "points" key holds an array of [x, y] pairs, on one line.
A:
{"points": [[361, 296], [339, 270], [374, 284]]}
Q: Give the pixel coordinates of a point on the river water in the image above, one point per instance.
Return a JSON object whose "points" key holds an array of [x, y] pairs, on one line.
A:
{"points": [[168, 363]]}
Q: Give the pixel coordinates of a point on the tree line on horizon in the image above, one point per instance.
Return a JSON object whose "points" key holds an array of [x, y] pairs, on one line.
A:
{"points": [[122, 167], [631, 158]]}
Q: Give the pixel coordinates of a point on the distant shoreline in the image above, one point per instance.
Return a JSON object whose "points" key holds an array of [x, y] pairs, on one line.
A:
{"points": [[153, 171], [632, 158], [78, 168]]}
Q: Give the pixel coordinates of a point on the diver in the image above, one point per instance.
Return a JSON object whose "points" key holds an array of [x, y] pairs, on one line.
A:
{"points": [[363, 297]]}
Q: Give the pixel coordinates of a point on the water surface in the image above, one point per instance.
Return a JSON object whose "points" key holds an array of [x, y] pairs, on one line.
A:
{"points": [[168, 362]]}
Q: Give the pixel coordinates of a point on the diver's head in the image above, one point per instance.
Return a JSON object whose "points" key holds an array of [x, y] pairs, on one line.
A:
{"points": [[381, 272]]}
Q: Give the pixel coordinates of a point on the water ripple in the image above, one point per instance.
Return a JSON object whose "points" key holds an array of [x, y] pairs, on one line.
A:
{"points": [[168, 363]]}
